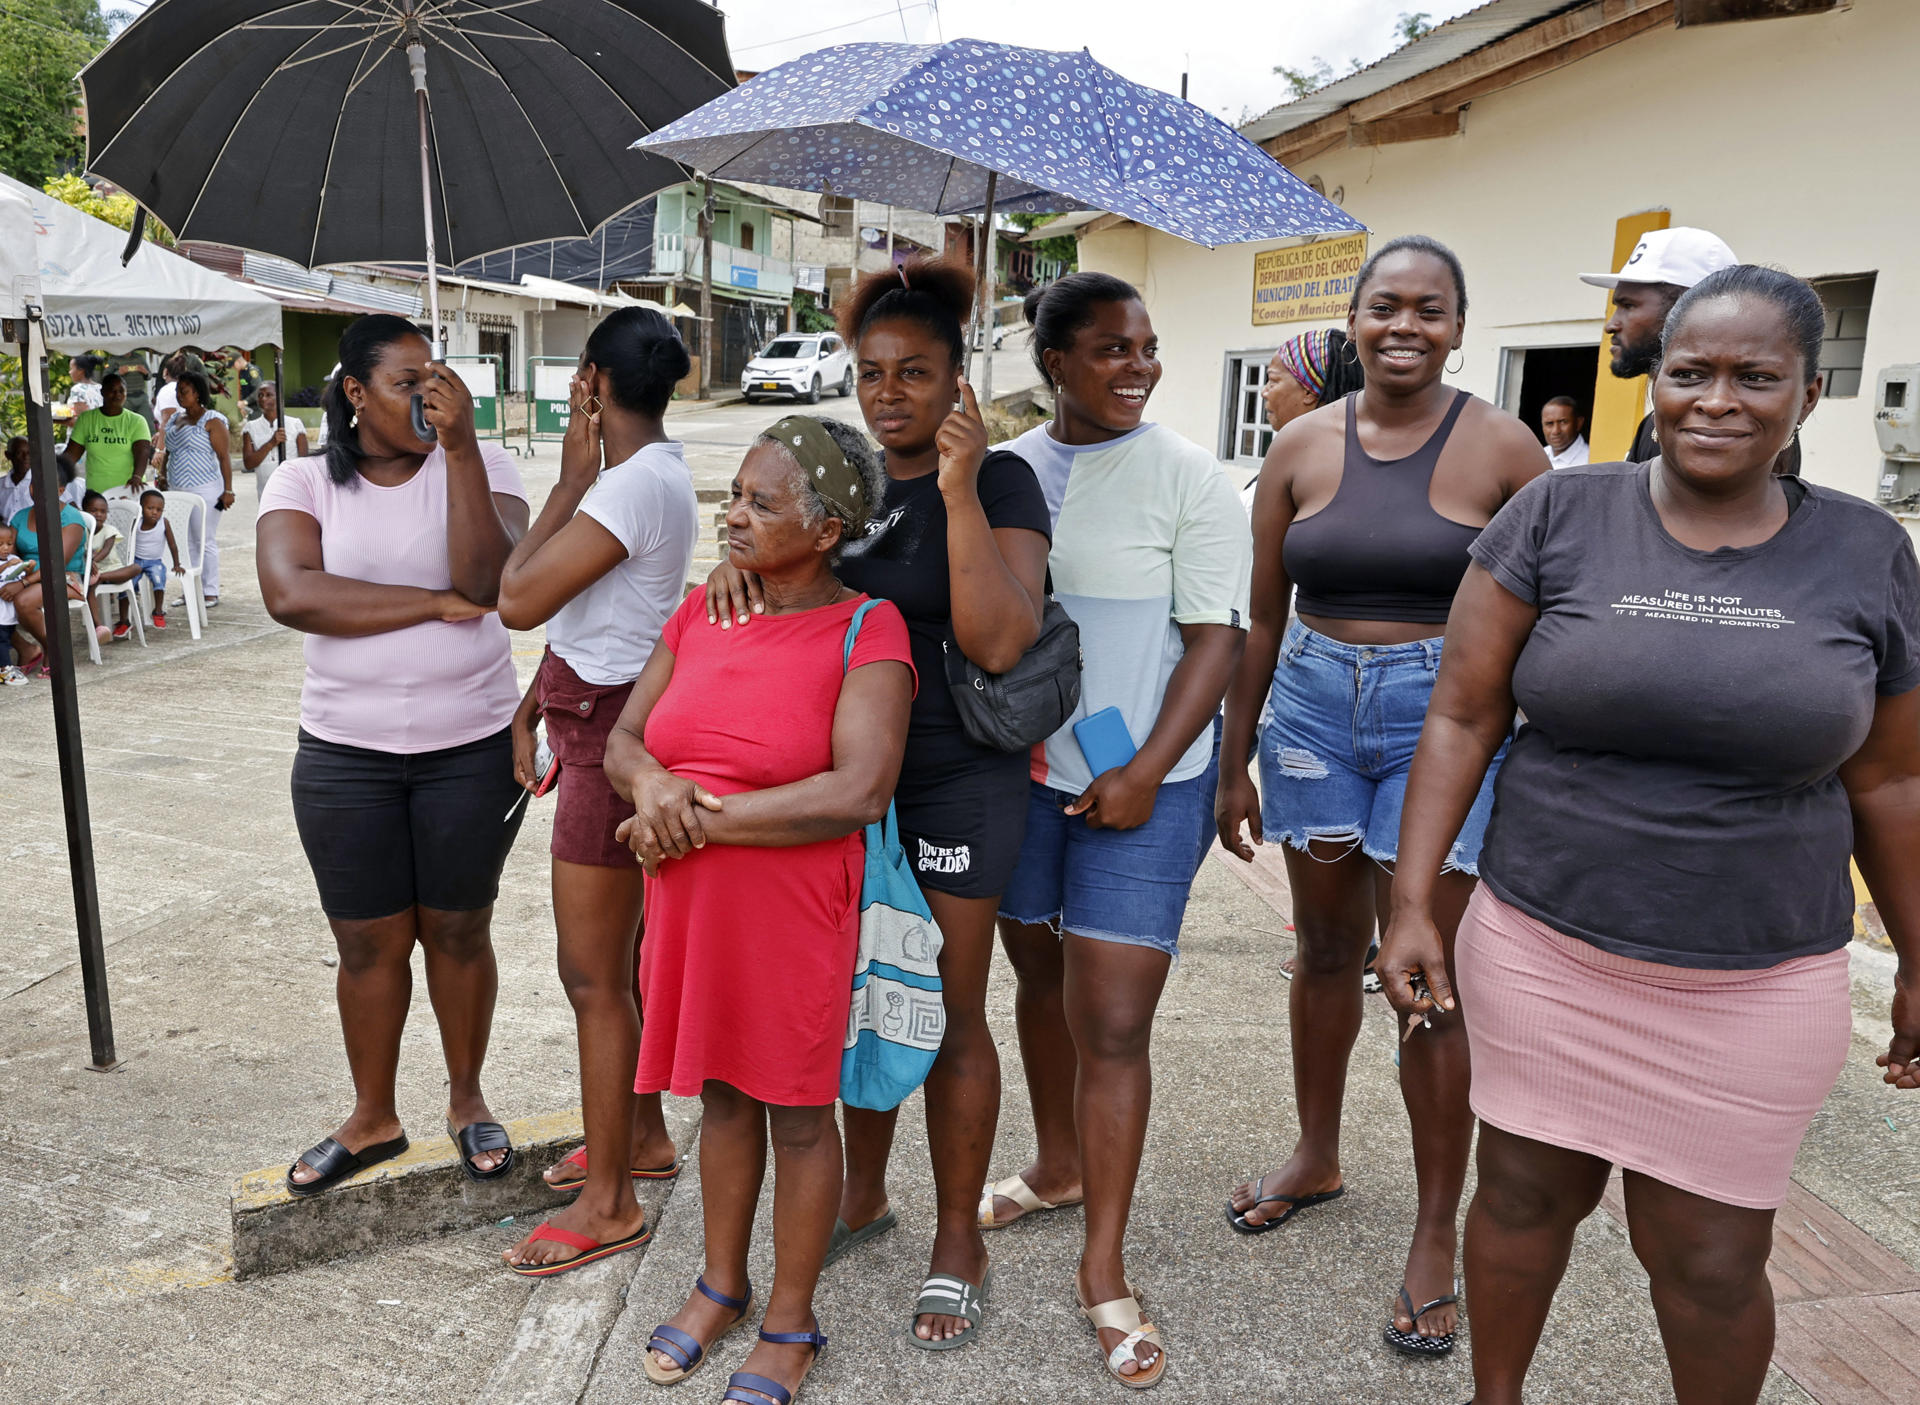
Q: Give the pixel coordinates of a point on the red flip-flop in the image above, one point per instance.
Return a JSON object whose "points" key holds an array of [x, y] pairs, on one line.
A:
{"points": [[579, 1159], [591, 1250]]}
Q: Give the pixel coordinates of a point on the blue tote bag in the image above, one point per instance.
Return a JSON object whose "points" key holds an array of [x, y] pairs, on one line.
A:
{"points": [[897, 1017]]}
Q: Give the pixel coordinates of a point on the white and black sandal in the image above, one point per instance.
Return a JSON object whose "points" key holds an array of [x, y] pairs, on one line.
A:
{"points": [[1412, 1343], [947, 1295]]}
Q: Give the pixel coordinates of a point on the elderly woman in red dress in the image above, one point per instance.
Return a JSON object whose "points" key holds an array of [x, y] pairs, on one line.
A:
{"points": [[753, 758]]}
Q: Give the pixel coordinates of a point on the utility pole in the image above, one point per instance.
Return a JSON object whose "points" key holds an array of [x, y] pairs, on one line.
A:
{"points": [[706, 292]]}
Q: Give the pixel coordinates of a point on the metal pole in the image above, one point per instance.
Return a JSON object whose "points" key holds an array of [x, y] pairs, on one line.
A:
{"points": [[66, 701], [417, 64], [706, 292], [279, 402], [984, 297]]}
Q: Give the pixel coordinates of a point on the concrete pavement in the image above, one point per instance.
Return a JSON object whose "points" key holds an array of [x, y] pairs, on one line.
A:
{"points": [[116, 1270]]}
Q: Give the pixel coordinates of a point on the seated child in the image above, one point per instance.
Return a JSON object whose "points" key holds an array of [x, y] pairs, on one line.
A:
{"points": [[110, 551], [153, 533], [12, 571]]}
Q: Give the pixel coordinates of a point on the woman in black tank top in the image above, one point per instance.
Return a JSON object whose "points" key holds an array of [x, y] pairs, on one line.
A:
{"points": [[1367, 507]]}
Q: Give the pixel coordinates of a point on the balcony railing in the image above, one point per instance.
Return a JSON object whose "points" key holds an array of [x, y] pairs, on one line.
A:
{"points": [[678, 256]]}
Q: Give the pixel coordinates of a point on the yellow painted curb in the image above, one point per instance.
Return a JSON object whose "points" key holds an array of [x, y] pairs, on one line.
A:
{"points": [[267, 1187]]}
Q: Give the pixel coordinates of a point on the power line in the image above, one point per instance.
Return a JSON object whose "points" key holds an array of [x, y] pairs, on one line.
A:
{"points": [[901, 8]]}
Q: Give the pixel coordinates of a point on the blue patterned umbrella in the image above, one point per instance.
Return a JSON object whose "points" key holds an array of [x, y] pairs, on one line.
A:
{"points": [[965, 126]]}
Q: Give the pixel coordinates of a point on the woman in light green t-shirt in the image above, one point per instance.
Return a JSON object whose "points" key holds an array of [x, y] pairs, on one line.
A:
{"points": [[115, 442]]}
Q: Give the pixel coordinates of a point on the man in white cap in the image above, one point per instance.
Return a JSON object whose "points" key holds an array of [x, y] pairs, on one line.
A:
{"points": [[1663, 265]]}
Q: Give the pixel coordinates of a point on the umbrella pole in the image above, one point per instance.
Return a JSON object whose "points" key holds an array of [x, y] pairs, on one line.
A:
{"points": [[988, 270], [417, 65], [66, 701]]}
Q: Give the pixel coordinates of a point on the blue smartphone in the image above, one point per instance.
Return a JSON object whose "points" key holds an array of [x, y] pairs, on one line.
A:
{"points": [[1104, 740]]}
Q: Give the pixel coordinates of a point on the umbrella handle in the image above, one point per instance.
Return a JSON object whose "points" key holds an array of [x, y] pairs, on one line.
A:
{"points": [[422, 431]]}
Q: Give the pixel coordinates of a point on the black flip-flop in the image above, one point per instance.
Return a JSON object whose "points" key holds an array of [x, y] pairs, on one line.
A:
{"points": [[1294, 1203], [335, 1163], [1412, 1343], [478, 1137]]}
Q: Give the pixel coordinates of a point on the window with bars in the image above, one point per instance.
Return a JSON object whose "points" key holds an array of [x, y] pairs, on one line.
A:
{"points": [[1246, 435], [1843, 354]]}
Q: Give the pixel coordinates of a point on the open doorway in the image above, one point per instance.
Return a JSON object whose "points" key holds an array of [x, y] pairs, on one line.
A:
{"points": [[1533, 375]]}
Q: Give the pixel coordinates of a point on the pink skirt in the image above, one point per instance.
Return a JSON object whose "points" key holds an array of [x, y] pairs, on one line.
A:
{"points": [[1704, 1080]]}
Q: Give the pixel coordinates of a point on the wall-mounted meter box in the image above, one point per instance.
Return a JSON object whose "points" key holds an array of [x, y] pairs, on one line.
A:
{"points": [[1896, 412]]}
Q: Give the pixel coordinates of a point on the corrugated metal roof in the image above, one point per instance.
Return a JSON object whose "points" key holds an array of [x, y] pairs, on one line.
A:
{"points": [[1455, 39]]}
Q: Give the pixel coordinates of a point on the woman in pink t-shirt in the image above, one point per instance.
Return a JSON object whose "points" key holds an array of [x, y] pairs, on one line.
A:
{"points": [[387, 554]]}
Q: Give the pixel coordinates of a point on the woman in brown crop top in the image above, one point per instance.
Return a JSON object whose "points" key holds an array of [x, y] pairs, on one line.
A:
{"points": [[1367, 507]]}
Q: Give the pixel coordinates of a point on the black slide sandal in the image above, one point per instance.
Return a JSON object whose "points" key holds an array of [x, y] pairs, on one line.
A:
{"points": [[335, 1163], [478, 1137]]}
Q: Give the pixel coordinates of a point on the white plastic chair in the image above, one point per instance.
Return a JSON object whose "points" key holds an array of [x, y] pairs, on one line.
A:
{"points": [[183, 511], [124, 516], [86, 615]]}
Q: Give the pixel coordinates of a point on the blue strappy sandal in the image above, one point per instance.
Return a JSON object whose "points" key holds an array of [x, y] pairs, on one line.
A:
{"points": [[684, 1347], [748, 1389]]}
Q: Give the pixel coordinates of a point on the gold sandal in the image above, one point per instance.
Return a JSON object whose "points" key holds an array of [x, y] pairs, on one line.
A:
{"points": [[1016, 1189], [1123, 1315]]}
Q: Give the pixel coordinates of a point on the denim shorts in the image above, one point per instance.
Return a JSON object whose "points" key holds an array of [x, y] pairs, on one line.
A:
{"points": [[156, 574], [1115, 885], [1337, 741]]}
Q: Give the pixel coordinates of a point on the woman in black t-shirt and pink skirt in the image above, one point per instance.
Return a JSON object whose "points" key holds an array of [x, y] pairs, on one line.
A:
{"points": [[960, 545], [1720, 674]]}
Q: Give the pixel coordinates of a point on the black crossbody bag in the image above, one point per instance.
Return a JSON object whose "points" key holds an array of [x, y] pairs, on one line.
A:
{"points": [[1029, 702]]}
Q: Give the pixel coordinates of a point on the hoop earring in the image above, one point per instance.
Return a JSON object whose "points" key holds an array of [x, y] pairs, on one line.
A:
{"points": [[1456, 370], [1352, 354], [593, 408]]}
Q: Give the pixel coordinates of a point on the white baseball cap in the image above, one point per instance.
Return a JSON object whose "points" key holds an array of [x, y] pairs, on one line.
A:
{"points": [[1681, 256]]}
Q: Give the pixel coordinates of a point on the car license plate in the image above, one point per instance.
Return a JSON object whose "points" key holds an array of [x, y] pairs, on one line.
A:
{"points": [[771, 385]]}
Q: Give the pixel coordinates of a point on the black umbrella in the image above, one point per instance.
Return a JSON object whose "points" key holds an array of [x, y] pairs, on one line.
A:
{"points": [[310, 128]]}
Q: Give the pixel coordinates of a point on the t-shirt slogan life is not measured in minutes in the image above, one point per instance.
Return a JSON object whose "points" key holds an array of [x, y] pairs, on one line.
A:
{"points": [[1672, 795]]}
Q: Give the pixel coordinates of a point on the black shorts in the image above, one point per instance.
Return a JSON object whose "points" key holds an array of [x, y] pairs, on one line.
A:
{"points": [[385, 832], [962, 823]]}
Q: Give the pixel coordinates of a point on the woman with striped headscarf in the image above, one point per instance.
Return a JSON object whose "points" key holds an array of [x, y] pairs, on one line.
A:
{"points": [[1306, 372]]}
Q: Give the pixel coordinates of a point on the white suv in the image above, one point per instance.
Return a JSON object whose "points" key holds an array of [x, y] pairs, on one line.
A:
{"points": [[800, 364]]}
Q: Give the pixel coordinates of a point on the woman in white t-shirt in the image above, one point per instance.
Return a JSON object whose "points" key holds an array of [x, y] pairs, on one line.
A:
{"points": [[266, 430], [83, 395], [603, 567]]}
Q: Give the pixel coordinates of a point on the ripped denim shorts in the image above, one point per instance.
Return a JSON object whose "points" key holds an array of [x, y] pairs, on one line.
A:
{"points": [[1337, 741]]}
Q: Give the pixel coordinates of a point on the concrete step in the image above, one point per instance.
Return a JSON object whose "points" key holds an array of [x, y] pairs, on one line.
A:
{"points": [[419, 1193]]}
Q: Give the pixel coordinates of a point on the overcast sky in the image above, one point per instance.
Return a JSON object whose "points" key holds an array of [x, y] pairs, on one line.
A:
{"points": [[1230, 47]]}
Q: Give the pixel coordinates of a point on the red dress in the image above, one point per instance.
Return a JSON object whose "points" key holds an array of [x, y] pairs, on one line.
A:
{"points": [[746, 970]]}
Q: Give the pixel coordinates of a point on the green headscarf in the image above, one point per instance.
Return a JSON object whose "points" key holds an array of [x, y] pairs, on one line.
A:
{"points": [[827, 469]]}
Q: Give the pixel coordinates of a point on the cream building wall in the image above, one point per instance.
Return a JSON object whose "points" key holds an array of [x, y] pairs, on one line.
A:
{"points": [[1791, 139]]}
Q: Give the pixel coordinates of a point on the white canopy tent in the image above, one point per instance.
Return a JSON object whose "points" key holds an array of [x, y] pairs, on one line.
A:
{"points": [[91, 303], [64, 289]]}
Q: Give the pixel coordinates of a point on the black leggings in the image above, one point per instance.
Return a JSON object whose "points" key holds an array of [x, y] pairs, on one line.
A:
{"points": [[385, 831]]}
